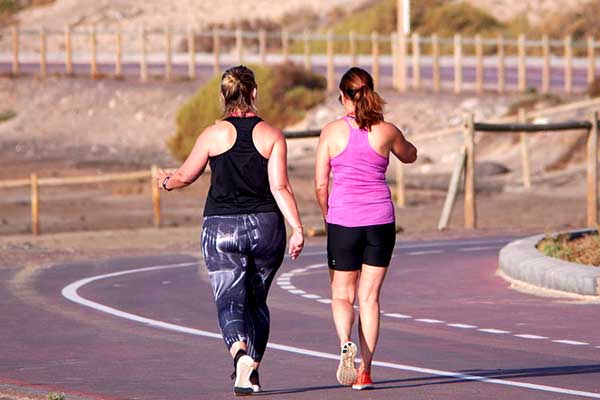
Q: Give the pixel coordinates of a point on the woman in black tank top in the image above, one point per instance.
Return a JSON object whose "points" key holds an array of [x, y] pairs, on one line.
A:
{"points": [[243, 235]]}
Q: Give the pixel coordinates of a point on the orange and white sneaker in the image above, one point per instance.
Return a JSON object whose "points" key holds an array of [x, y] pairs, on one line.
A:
{"points": [[363, 381], [346, 373]]}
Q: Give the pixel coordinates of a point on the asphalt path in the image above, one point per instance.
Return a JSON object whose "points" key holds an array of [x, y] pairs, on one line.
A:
{"points": [[145, 328], [204, 72]]}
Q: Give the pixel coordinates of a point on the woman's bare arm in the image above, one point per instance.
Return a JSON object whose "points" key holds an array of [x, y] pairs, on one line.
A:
{"points": [[403, 149], [322, 170], [283, 193], [193, 166]]}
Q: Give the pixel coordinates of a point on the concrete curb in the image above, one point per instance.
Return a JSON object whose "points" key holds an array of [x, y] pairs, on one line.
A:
{"points": [[520, 260]]}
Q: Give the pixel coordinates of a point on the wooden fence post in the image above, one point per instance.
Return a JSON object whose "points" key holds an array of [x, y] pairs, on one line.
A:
{"points": [[239, 45], [592, 172], [435, 59], [285, 45], [43, 57], [68, 51], [469, 138], [375, 58], [216, 52], [500, 67], [401, 62], [522, 68], [400, 185], [524, 152], [93, 53], [352, 41], [568, 64], [591, 64], [330, 67], [143, 64], [155, 197], [394, 48], [35, 205], [169, 54], [458, 63], [546, 64], [416, 59], [479, 64], [118, 53], [15, 50], [262, 46], [191, 53], [307, 60], [457, 171]]}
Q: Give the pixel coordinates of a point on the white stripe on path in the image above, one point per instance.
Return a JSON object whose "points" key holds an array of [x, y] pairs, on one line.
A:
{"points": [[424, 252], [572, 342], [429, 321], [534, 337], [70, 292], [395, 315], [311, 296], [462, 326], [479, 248], [498, 331]]}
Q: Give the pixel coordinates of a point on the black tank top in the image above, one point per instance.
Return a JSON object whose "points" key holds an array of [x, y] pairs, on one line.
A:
{"points": [[239, 182]]}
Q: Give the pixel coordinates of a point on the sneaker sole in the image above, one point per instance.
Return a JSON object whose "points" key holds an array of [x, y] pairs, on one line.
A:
{"points": [[242, 385], [362, 387], [346, 373]]}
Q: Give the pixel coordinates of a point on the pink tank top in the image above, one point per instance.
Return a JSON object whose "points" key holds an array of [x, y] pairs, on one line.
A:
{"points": [[360, 195]]}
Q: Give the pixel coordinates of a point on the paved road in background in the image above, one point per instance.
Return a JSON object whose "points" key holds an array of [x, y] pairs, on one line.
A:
{"points": [[145, 328], [204, 72]]}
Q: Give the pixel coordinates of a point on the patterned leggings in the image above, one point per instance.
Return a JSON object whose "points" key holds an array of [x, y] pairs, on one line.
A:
{"points": [[242, 253]]}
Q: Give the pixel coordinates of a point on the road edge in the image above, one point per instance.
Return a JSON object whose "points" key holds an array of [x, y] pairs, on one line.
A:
{"points": [[520, 260]]}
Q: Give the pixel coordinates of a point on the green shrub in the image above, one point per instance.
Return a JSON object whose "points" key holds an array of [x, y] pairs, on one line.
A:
{"points": [[285, 92], [8, 6], [464, 18], [6, 115], [56, 396]]}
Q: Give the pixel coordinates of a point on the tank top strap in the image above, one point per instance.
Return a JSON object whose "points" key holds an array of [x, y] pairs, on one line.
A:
{"points": [[243, 127]]}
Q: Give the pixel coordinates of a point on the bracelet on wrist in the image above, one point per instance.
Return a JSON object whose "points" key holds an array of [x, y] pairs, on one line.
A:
{"points": [[164, 183]]}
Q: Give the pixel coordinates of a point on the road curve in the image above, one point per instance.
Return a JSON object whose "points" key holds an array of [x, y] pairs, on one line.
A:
{"points": [[146, 328]]}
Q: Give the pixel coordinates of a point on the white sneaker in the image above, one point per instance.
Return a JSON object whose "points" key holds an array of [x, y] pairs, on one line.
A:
{"points": [[346, 373], [243, 369]]}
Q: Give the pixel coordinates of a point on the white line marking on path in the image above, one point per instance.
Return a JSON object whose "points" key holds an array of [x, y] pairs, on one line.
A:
{"points": [[534, 337], [424, 252], [489, 330], [429, 321], [70, 292], [482, 248], [297, 291], [462, 326], [572, 342], [395, 315], [311, 296], [325, 301]]}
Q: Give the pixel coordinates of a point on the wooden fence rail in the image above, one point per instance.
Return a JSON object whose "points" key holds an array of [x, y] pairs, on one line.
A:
{"points": [[35, 183], [433, 62], [467, 163]]}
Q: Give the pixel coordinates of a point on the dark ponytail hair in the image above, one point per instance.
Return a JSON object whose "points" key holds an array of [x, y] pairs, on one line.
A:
{"points": [[237, 84], [357, 85]]}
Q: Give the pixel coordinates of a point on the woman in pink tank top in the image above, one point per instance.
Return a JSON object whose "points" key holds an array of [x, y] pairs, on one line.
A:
{"points": [[359, 214]]}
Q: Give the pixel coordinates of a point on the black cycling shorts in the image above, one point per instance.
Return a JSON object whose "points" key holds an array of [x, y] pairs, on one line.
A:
{"points": [[348, 248]]}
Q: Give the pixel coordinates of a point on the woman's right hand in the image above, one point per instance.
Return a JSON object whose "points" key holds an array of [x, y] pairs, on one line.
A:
{"points": [[296, 243]]}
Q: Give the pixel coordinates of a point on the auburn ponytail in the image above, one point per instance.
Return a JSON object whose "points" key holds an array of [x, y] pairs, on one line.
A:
{"points": [[357, 85]]}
